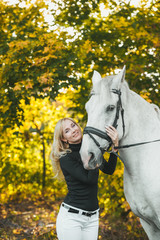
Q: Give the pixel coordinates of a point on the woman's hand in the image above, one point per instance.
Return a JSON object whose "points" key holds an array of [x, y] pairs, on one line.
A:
{"points": [[113, 134]]}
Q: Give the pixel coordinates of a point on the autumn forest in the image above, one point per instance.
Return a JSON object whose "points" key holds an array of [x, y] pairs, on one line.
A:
{"points": [[48, 52]]}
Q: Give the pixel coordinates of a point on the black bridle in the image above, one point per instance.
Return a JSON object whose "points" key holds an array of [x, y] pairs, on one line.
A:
{"points": [[104, 135], [101, 134]]}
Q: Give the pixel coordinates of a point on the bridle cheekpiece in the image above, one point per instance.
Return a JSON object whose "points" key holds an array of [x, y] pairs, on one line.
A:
{"points": [[91, 130]]}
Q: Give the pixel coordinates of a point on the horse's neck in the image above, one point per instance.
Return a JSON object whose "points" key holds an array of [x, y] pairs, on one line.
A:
{"points": [[143, 119], [142, 125]]}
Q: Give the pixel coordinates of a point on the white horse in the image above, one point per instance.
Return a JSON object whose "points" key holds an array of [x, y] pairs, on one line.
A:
{"points": [[140, 123]]}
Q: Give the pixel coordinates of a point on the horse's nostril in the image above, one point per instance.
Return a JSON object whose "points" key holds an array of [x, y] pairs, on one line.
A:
{"points": [[92, 161], [92, 156]]}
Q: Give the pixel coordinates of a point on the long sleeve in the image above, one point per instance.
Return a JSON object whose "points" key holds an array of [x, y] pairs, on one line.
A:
{"points": [[110, 166], [74, 168]]}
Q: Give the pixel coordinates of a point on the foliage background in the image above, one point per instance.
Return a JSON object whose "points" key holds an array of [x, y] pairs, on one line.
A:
{"points": [[45, 75]]}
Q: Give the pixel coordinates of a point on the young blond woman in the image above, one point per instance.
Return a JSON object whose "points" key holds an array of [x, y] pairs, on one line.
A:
{"points": [[78, 217]]}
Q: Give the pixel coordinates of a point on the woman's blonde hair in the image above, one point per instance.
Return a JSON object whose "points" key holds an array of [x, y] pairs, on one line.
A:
{"points": [[59, 147]]}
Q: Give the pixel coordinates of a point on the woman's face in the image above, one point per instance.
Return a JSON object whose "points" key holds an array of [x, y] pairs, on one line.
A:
{"points": [[71, 132]]}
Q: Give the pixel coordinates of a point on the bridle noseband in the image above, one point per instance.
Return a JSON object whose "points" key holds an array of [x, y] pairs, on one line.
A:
{"points": [[91, 130], [99, 133]]}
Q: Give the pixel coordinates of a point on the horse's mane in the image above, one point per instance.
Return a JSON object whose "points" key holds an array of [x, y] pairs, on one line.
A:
{"points": [[108, 80]]}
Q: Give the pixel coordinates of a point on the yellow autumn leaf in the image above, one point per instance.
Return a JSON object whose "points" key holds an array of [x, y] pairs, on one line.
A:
{"points": [[17, 87], [17, 231], [32, 35]]}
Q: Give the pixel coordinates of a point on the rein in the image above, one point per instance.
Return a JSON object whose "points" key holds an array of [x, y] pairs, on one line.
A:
{"points": [[136, 144], [132, 145]]}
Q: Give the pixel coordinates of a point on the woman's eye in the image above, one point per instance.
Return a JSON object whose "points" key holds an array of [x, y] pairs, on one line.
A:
{"points": [[67, 130], [110, 108]]}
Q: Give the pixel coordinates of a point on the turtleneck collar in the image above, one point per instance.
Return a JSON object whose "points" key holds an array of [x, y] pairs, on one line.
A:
{"points": [[75, 147]]}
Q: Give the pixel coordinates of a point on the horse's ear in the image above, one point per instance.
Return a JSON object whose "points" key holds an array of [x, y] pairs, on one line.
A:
{"points": [[119, 78], [96, 77]]}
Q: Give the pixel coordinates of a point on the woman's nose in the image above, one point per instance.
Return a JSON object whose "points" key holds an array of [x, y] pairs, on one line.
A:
{"points": [[73, 130]]}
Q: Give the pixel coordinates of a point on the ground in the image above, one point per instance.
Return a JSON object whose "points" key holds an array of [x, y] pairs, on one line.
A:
{"points": [[30, 219]]}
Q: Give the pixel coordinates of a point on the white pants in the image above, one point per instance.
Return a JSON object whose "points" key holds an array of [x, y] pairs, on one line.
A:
{"points": [[73, 226]]}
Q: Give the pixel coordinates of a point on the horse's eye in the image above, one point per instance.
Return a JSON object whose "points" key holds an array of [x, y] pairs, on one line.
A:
{"points": [[110, 108]]}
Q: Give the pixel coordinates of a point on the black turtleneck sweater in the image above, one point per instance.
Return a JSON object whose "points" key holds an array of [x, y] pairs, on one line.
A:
{"points": [[83, 184]]}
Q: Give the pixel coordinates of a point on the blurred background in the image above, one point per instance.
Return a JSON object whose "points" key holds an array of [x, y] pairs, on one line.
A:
{"points": [[48, 51]]}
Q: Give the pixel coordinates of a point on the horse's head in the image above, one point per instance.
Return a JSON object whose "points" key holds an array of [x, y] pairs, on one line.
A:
{"points": [[103, 108]]}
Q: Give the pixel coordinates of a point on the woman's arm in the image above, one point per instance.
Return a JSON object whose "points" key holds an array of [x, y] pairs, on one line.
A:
{"points": [[75, 168], [110, 166]]}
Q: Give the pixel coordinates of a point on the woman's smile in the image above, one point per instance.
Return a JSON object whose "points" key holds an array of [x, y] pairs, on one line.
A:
{"points": [[76, 134]]}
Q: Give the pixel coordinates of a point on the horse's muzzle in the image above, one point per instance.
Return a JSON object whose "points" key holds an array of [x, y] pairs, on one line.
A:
{"points": [[92, 164]]}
